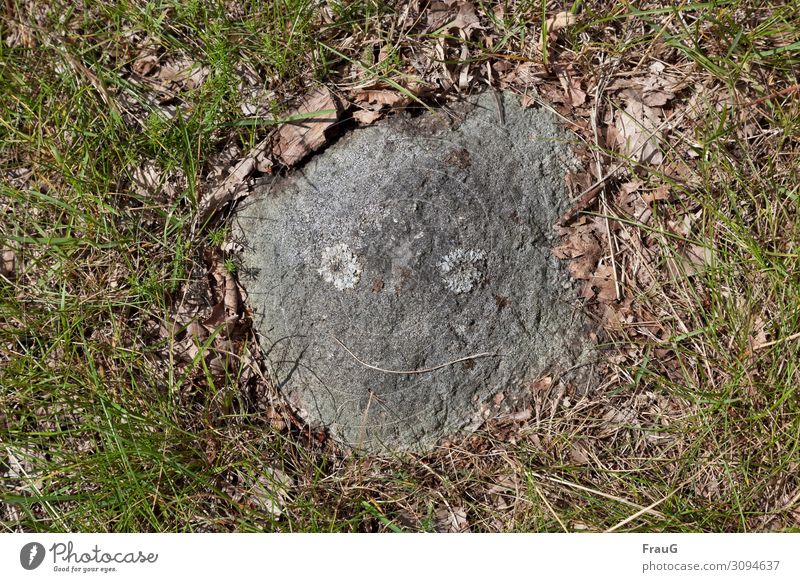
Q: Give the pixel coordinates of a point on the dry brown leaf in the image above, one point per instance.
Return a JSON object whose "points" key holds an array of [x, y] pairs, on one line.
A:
{"points": [[660, 193], [263, 162], [7, 262], [25, 465], [18, 178], [217, 316], [615, 419], [169, 77], [291, 143], [638, 133], [613, 136], [552, 27], [564, 251], [145, 64], [683, 226], [527, 101], [227, 291], [464, 76], [467, 19], [437, 14], [542, 384], [232, 187], [577, 245], [658, 89], [692, 260], [698, 259], [583, 250], [231, 295], [381, 97], [221, 161], [451, 520], [654, 98], [604, 281], [629, 200], [502, 67], [578, 454], [187, 350], [149, 179], [560, 20], [366, 116], [443, 75], [295, 140], [269, 491], [572, 87], [526, 73], [183, 73], [758, 337], [630, 187], [196, 331], [612, 318], [586, 292], [582, 267], [18, 34], [255, 99]]}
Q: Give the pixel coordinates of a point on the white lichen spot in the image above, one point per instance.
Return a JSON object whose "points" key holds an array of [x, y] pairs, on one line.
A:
{"points": [[462, 270], [340, 267]]}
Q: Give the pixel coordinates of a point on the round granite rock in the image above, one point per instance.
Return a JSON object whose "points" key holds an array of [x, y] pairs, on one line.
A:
{"points": [[402, 282]]}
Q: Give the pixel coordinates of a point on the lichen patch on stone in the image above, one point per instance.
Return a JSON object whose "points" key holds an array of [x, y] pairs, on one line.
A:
{"points": [[340, 266], [462, 270]]}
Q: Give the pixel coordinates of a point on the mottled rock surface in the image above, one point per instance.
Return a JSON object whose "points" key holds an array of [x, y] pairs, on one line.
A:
{"points": [[405, 247]]}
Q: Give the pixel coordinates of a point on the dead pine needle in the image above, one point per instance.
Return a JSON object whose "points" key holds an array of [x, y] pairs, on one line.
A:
{"points": [[420, 371]]}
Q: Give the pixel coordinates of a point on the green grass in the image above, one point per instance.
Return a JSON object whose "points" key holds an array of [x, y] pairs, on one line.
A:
{"points": [[105, 426]]}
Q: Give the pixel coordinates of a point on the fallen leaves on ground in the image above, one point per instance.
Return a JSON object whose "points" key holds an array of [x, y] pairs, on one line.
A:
{"points": [[553, 26], [451, 519], [571, 85], [582, 246], [638, 131], [8, 262], [380, 97], [691, 260], [367, 116], [560, 20], [268, 491], [304, 133], [152, 182]]}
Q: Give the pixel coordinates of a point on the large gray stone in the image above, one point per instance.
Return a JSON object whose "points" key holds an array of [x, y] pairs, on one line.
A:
{"points": [[417, 245]]}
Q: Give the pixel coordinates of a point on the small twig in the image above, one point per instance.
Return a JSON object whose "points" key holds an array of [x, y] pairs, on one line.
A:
{"points": [[641, 512], [789, 505], [585, 200], [422, 371], [651, 511], [786, 91], [550, 508], [777, 341]]}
